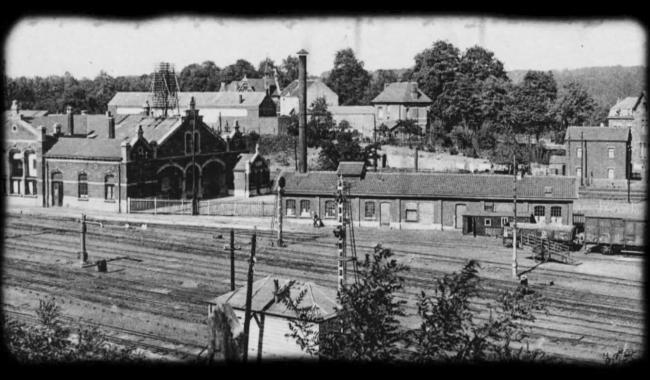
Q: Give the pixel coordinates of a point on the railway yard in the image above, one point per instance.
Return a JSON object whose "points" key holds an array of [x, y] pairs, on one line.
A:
{"points": [[154, 294]]}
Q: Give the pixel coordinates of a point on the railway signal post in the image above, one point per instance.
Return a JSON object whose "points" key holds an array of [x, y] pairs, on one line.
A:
{"points": [[249, 295], [340, 234], [514, 229]]}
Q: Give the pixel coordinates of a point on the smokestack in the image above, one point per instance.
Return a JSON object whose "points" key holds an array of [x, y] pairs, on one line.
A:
{"points": [[416, 158], [302, 109], [68, 111], [111, 125]]}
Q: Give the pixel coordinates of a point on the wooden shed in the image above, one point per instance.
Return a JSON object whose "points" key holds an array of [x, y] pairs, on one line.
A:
{"points": [[487, 223], [270, 317]]}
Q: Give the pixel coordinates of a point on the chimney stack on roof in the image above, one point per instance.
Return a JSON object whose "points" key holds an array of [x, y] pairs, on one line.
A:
{"points": [[414, 89], [302, 111], [111, 125], [68, 111]]}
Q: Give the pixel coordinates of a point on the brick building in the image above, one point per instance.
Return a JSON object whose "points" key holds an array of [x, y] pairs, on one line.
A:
{"points": [[597, 156], [631, 113], [140, 156], [402, 101], [426, 200], [252, 175], [253, 110]]}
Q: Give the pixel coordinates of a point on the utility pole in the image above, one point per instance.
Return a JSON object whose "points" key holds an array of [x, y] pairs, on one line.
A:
{"points": [[339, 232], [514, 229], [249, 295], [281, 183], [195, 208], [232, 259], [83, 255], [628, 163], [374, 121]]}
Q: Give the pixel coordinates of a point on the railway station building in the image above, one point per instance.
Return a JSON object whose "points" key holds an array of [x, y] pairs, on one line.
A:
{"points": [[420, 200], [140, 156]]}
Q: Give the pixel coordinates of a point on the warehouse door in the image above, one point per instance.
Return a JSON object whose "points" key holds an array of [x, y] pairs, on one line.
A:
{"points": [[425, 211], [384, 214], [57, 189], [460, 210]]}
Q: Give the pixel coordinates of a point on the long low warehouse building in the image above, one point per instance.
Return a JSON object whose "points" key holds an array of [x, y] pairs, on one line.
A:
{"points": [[425, 200]]}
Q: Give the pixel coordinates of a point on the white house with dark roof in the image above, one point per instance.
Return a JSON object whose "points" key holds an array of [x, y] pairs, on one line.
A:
{"points": [[631, 113], [315, 89], [410, 200], [402, 101]]}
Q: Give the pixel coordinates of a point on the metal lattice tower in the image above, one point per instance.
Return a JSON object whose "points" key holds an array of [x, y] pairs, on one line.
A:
{"points": [[342, 268], [165, 88]]}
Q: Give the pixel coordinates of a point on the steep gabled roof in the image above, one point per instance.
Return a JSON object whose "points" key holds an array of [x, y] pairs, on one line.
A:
{"points": [[596, 134], [322, 299], [292, 88], [402, 92], [625, 107], [432, 185]]}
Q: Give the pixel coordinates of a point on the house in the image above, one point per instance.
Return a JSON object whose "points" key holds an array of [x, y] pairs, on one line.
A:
{"points": [[425, 200], [401, 101], [252, 175], [631, 113], [271, 316], [598, 156], [360, 118], [253, 110], [140, 156], [23, 147], [315, 89], [265, 84]]}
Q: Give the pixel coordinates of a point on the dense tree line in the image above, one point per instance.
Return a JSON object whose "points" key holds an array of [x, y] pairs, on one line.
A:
{"points": [[53, 93]]}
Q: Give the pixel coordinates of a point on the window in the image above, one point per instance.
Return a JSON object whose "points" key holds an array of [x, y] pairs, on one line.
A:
{"points": [[291, 207], [556, 211], [505, 221], [380, 112], [610, 173], [369, 212], [30, 187], [579, 172], [610, 152], [330, 209], [15, 186], [539, 211], [579, 152], [109, 187], [30, 161], [197, 142], [488, 222], [83, 185], [488, 206], [16, 164], [188, 143], [412, 212], [305, 208]]}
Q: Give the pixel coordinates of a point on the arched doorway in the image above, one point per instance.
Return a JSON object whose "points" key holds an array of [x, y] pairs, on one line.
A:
{"points": [[213, 179], [57, 189], [170, 180]]}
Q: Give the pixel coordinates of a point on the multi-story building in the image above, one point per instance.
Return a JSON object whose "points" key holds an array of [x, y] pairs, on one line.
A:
{"points": [[598, 156], [315, 89], [402, 101], [631, 113]]}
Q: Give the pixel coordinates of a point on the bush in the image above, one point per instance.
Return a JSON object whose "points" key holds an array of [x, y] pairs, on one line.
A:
{"points": [[453, 151]]}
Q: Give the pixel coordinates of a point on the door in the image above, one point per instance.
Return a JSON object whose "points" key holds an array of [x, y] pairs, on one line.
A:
{"points": [[460, 210], [57, 193], [384, 214]]}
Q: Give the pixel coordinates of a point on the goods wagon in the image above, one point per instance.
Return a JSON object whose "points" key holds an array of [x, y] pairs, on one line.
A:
{"points": [[613, 234]]}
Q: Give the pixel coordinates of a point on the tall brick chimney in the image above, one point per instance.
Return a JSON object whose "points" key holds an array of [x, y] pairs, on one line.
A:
{"points": [[302, 111], [111, 125], [68, 111]]}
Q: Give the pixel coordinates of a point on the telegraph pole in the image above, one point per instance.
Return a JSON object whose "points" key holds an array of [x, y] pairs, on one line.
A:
{"points": [[628, 163], [83, 255], [281, 183], [249, 295], [514, 229], [195, 208], [340, 234]]}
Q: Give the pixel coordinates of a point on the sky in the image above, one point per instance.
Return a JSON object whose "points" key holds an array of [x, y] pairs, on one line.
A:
{"points": [[85, 46]]}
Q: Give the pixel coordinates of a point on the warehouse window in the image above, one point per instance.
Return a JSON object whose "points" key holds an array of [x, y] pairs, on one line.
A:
{"points": [[488, 206], [579, 152], [305, 208], [579, 172], [109, 187], [610, 173], [330, 209], [488, 222], [369, 210], [556, 211], [291, 207], [412, 212], [610, 152], [83, 185], [539, 211]]}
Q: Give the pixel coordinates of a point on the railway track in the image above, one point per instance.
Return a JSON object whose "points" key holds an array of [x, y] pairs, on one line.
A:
{"points": [[299, 263]]}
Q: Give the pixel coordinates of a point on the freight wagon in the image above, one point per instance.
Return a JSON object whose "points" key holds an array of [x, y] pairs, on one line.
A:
{"points": [[612, 234]]}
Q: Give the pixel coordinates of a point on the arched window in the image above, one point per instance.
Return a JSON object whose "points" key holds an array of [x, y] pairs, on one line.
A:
{"points": [[305, 209], [188, 143], [83, 185], [109, 187]]}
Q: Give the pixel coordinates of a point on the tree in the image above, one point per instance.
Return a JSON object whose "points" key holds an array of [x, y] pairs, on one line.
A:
{"points": [[378, 82], [534, 100], [344, 147], [288, 70], [449, 332], [348, 78], [238, 70], [203, 77], [574, 106], [51, 340], [320, 126]]}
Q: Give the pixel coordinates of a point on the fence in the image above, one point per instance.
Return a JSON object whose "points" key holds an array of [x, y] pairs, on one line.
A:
{"points": [[213, 207]]}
